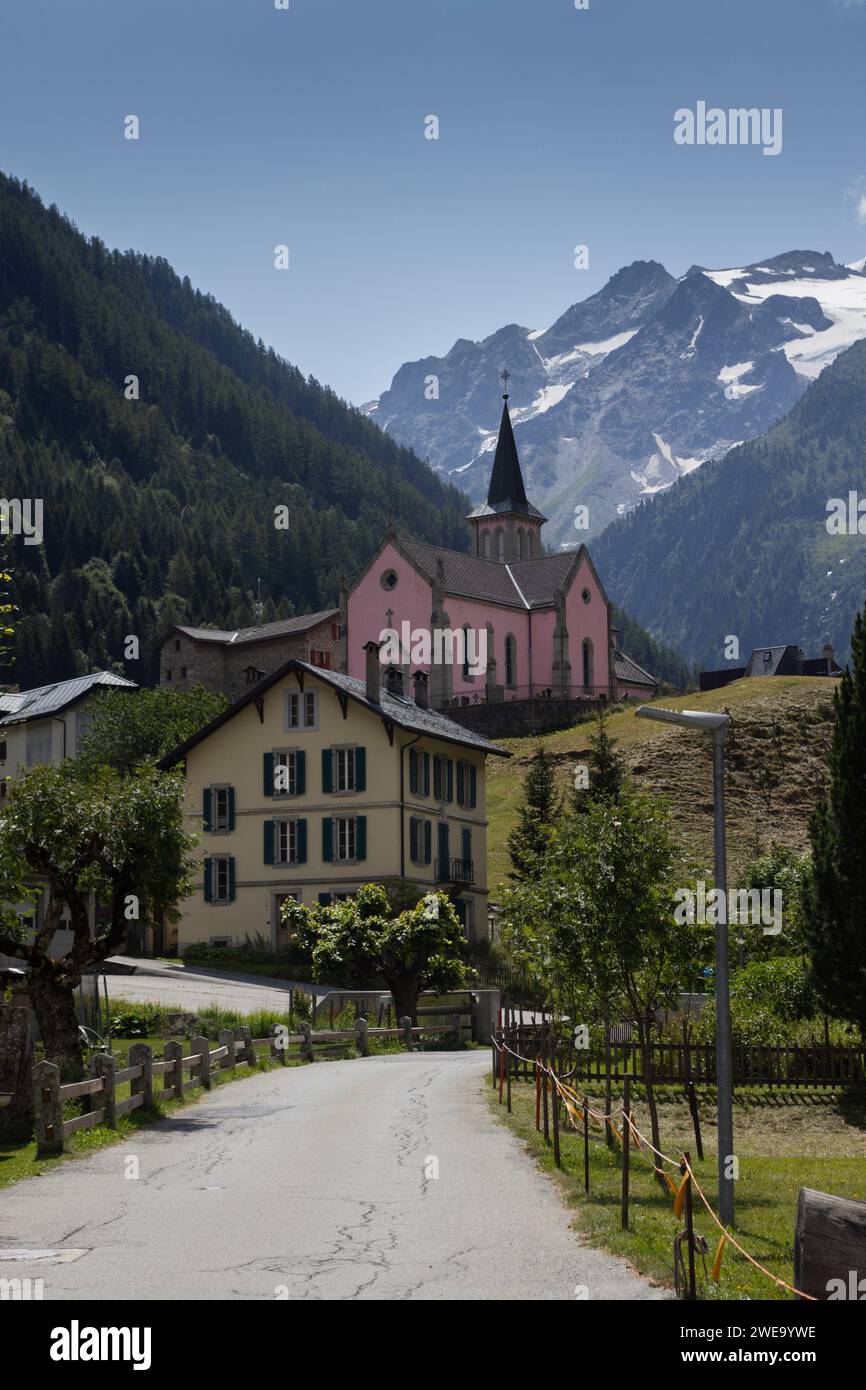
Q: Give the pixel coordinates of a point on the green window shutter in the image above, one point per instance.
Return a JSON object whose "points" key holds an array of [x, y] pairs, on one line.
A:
{"points": [[413, 769], [231, 815], [426, 774], [428, 841], [302, 842], [327, 770], [413, 840], [461, 789], [268, 774], [466, 844], [269, 842], [449, 768], [442, 871], [206, 800], [301, 772], [208, 881], [360, 837], [437, 777], [361, 769], [328, 840], [473, 784], [231, 878], [324, 900]]}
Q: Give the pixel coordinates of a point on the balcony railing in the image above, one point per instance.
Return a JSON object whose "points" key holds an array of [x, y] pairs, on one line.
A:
{"points": [[455, 870]]}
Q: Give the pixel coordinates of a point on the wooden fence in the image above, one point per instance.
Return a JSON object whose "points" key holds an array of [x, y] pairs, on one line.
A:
{"points": [[180, 1072], [810, 1065]]}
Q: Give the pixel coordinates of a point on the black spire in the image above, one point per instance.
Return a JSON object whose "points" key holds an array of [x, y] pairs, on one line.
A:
{"points": [[506, 480]]}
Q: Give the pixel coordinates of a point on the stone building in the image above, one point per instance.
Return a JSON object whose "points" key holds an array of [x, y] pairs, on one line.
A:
{"points": [[233, 662]]}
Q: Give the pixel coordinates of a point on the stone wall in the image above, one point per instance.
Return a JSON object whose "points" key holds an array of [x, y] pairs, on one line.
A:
{"points": [[519, 718]]}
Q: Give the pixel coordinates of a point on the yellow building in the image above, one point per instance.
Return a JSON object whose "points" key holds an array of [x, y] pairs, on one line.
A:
{"points": [[314, 783]]}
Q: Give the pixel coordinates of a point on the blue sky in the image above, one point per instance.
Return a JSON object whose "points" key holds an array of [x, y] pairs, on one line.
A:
{"points": [[306, 127]]}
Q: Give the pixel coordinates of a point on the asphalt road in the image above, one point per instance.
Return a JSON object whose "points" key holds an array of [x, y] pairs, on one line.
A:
{"points": [[313, 1183], [194, 987]]}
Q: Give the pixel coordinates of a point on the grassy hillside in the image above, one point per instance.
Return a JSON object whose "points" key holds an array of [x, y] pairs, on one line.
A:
{"points": [[776, 765]]}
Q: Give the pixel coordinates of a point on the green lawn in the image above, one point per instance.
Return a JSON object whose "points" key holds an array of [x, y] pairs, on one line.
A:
{"points": [[783, 1143]]}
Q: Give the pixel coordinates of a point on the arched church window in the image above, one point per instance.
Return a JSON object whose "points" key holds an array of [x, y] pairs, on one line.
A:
{"points": [[529, 545], [510, 660], [467, 674], [520, 542], [485, 545], [500, 543], [587, 662]]}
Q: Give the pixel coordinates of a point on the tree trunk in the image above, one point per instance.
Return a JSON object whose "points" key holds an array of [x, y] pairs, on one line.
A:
{"points": [[16, 1062], [55, 1012], [405, 996], [643, 1032]]}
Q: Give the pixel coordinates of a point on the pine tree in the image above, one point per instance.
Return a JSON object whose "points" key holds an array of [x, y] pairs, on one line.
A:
{"points": [[529, 840], [834, 893], [606, 771]]}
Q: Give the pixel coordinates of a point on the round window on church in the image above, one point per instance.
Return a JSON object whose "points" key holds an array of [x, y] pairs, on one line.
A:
{"points": [[586, 596], [389, 579]]}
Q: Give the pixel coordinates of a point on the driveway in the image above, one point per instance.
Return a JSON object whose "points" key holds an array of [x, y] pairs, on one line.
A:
{"points": [[378, 1178], [193, 987]]}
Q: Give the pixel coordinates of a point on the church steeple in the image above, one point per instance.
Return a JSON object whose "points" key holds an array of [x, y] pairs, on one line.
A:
{"points": [[506, 481], [507, 526]]}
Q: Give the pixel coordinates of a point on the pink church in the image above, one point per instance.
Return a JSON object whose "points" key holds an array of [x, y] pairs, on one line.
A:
{"points": [[547, 617]]}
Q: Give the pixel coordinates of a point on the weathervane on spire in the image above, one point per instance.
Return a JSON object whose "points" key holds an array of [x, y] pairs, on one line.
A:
{"points": [[504, 377]]}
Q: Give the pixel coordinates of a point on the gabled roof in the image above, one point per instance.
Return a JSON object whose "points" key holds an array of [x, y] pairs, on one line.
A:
{"points": [[396, 709], [629, 673], [524, 583], [506, 492], [765, 661], [46, 700], [284, 627]]}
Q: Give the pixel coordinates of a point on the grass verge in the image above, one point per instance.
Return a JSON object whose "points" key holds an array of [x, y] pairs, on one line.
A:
{"points": [[783, 1144]]}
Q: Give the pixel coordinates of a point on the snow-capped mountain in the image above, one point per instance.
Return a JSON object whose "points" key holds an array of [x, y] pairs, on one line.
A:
{"points": [[633, 387]]}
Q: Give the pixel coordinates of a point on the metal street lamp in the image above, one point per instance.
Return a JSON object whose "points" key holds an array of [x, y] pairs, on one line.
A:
{"points": [[717, 724]]}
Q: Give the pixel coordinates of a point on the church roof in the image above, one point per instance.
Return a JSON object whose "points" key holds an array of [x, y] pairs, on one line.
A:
{"points": [[519, 583], [506, 492]]}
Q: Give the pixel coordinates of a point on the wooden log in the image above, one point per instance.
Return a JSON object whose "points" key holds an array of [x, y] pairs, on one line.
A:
{"points": [[830, 1246]]}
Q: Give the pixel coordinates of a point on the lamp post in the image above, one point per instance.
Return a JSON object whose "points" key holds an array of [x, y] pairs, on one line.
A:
{"points": [[717, 724]]}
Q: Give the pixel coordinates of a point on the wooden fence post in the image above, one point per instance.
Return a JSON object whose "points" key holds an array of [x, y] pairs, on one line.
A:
{"points": [[545, 1048], [227, 1040], [278, 1053], [103, 1066], [307, 1053], [173, 1078], [246, 1052], [140, 1055], [690, 1228], [626, 1150], [48, 1111], [457, 1030], [537, 1096], [362, 1042], [201, 1049], [585, 1144], [554, 1101], [406, 1025]]}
